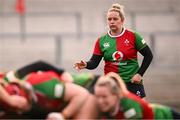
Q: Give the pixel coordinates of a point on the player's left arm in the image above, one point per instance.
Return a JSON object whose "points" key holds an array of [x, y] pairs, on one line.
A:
{"points": [[148, 56], [145, 51]]}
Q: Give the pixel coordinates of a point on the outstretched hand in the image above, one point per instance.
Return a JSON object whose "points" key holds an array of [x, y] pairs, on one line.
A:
{"points": [[80, 65]]}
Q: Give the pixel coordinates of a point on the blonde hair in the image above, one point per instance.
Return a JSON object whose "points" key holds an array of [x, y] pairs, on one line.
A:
{"points": [[110, 83], [114, 82], [119, 81], [118, 8]]}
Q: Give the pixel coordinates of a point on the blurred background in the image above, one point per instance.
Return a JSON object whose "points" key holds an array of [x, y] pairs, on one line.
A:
{"points": [[63, 32]]}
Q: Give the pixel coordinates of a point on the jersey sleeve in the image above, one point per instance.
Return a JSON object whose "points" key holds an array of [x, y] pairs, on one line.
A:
{"points": [[131, 109], [82, 79], [140, 42], [47, 84], [59, 90], [97, 49]]}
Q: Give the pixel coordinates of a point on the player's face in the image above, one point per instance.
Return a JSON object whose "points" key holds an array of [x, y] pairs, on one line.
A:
{"points": [[105, 99], [114, 21]]}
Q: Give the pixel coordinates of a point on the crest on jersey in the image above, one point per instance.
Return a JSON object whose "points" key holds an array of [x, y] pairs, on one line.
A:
{"points": [[106, 45], [126, 42], [117, 56]]}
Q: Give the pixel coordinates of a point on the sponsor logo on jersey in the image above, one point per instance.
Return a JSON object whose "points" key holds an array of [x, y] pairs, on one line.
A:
{"points": [[126, 42], [119, 63], [106, 45], [117, 56]]}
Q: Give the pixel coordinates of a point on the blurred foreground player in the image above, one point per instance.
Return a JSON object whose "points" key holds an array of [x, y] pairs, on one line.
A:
{"points": [[10, 102], [51, 94], [116, 102], [86, 80]]}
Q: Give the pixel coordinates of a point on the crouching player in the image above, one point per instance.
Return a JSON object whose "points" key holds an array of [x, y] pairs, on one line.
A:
{"points": [[55, 98], [86, 80], [116, 102]]}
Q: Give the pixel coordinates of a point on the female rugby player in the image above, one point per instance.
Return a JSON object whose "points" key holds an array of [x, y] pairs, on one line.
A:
{"points": [[116, 102], [119, 48]]}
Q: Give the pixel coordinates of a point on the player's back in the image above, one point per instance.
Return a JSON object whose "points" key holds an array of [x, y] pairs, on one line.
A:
{"points": [[161, 112], [48, 88]]}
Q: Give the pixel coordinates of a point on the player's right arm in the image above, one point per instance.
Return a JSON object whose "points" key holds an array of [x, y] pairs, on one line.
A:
{"points": [[75, 96], [94, 60]]}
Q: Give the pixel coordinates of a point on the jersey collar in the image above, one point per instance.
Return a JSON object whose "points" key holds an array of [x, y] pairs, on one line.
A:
{"points": [[124, 29]]}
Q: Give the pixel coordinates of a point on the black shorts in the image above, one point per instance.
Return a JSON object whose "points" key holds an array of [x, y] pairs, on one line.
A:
{"points": [[137, 89]]}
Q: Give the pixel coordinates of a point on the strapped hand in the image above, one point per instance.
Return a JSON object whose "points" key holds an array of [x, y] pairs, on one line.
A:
{"points": [[80, 65]]}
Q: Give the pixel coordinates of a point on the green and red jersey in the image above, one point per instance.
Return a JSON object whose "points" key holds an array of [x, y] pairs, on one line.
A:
{"points": [[133, 107], [162, 112], [82, 79], [49, 89], [120, 53]]}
